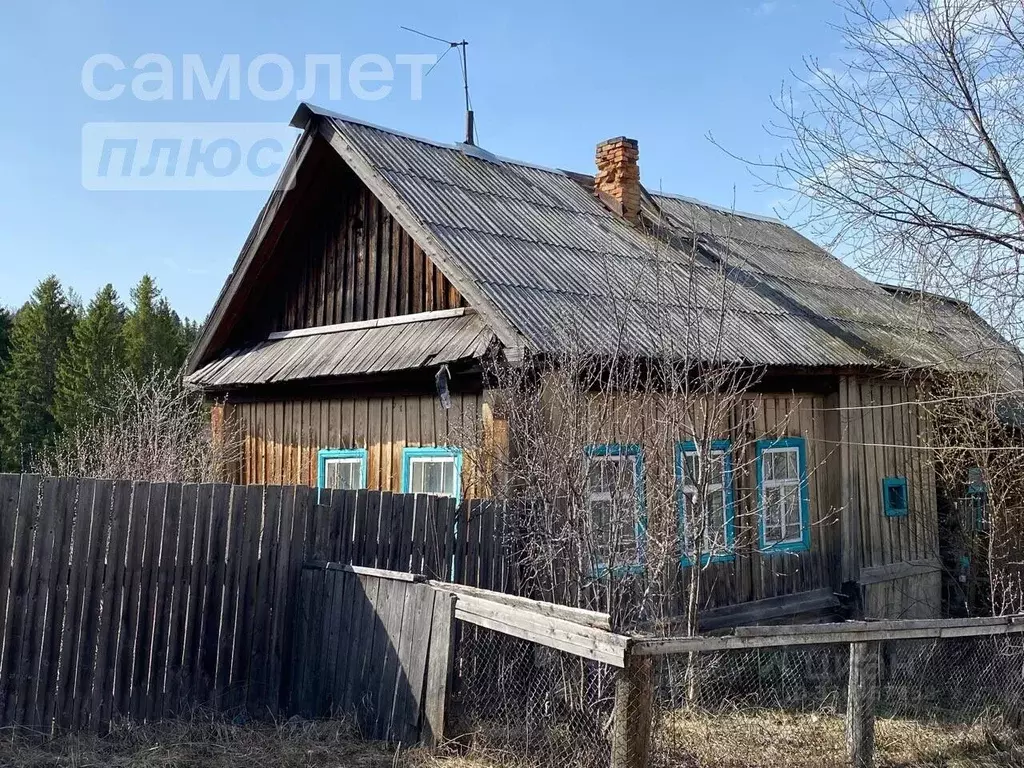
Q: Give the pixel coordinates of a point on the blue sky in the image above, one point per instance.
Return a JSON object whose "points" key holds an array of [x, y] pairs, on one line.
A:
{"points": [[549, 80]]}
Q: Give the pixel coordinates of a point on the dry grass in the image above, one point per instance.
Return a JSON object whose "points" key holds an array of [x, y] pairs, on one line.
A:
{"points": [[752, 739], [203, 742], [787, 740]]}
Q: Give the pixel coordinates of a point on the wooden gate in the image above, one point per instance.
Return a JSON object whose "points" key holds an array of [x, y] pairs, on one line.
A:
{"points": [[375, 645]]}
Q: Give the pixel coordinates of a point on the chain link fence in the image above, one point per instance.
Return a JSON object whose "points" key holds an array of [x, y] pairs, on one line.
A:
{"points": [[938, 702]]}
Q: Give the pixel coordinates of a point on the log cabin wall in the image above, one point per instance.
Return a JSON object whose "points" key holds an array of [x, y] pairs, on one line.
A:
{"points": [[344, 258], [884, 434]]}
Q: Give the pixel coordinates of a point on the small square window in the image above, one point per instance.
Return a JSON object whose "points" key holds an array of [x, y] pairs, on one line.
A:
{"points": [[342, 469], [894, 496], [433, 471]]}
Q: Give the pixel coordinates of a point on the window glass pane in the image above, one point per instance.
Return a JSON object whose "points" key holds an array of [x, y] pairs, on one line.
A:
{"points": [[791, 503], [772, 514], [781, 465], [792, 464], [433, 475], [614, 508], [897, 497], [416, 476], [345, 474]]}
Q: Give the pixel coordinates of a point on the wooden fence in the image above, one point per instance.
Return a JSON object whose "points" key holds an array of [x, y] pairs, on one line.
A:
{"points": [[146, 599], [376, 645]]}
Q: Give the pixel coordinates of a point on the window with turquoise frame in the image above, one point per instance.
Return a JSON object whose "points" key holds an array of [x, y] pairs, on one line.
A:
{"points": [[705, 484], [615, 495], [782, 496], [435, 471], [342, 469], [977, 498], [894, 497]]}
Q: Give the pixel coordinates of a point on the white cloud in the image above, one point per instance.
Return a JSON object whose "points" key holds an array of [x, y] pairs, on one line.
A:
{"points": [[766, 8]]}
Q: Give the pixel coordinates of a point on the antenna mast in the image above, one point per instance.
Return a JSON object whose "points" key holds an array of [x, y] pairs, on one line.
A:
{"points": [[461, 44]]}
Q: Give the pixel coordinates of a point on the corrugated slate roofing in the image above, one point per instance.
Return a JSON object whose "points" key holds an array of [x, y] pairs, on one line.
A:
{"points": [[563, 270], [552, 270]]}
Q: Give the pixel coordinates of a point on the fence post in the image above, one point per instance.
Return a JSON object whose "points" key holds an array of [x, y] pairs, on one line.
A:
{"points": [[862, 694], [631, 723], [440, 658]]}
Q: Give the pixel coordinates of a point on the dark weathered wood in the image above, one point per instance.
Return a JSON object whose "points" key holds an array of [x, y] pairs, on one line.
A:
{"points": [[110, 622], [768, 609], [440, 664], [417, 619], [18, 510], [862, 694], [228, 574], [78, 636], [246, 595], [163, 603], [33, 649], [150, 568], [174, 700], [631, 718], [266, 569], [900, 570]]}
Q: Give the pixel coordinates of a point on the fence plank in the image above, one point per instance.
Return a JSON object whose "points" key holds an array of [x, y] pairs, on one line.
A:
{"points": [[260, 608], [281, 601], [162, 605], [389, 637], [227, 539], [178, 611], [300, 529], [17, 511], [150, 567], [33, 647], [78, 581], [104, 692], [441, 656], [246, 593], [412, 665]]}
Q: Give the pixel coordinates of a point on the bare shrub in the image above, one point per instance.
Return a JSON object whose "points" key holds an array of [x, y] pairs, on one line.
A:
{"points": [[156, 429]]}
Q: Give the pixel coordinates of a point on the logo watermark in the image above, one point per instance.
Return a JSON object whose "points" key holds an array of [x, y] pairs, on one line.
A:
{"points": [[268, 77], [183, 156]]}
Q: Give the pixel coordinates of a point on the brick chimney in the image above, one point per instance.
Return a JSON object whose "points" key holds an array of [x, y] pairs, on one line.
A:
{"points": [[618, 176]]}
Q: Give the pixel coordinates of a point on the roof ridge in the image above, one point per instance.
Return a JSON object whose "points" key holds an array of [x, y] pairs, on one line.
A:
{"points": [[469, 150]]}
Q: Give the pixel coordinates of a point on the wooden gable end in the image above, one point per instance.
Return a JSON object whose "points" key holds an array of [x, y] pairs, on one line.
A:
{"points": [[342, 258]]}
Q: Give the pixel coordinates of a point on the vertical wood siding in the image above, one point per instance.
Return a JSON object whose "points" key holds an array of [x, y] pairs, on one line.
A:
{"points": [[345, 259], [280, 439], [883, 435], [750, 575], [884, 432]]}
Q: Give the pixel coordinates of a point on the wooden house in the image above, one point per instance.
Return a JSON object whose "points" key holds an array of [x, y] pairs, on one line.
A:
{"points": [[383, 261]]}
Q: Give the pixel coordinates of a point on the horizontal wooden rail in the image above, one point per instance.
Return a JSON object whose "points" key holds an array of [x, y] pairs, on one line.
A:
{"points": [[550, 631], [894, 571], [818, 634], [360, 570], [579, 615]]}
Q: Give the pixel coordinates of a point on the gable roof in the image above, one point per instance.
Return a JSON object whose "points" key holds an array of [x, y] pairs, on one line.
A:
{"points": [[548, 266]]}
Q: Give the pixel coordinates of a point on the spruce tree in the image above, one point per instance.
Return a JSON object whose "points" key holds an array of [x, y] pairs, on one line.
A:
{"points": [[153, 332], [39, 339], [6, 321], [88, 372]]}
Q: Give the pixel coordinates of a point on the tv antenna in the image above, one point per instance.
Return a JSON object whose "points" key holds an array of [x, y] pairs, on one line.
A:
{"points": [[452, 44]]}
